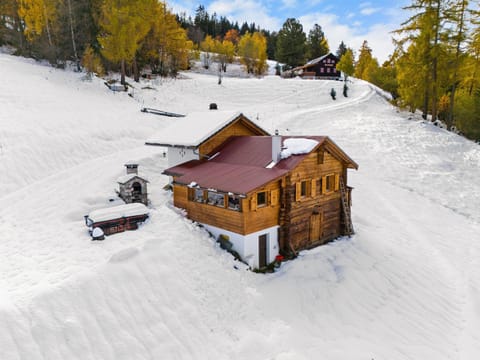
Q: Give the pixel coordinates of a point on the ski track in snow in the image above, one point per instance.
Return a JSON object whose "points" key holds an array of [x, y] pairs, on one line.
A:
{"points": [[406, 286]]}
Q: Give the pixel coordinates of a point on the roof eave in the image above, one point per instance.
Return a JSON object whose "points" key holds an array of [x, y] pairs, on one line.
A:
{"points": [[171, 145]]}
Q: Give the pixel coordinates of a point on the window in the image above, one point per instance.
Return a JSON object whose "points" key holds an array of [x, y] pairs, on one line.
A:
{"points": [[320, 156], [233, 202], [216, 199], [262, 199], [303, 189], [330, 183], [198, 195]]}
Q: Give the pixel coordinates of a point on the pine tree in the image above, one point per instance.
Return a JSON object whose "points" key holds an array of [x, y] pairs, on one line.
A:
{"points": [[317, 44], [342, 49], [291, 43]]}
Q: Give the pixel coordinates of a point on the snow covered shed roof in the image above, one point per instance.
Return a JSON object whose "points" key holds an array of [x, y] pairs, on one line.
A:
{"points": [[117, 212], [196, 128], [241, 165], [126, 178]]}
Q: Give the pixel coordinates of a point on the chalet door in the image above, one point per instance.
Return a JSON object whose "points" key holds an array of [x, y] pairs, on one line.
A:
{"points": [[315, 227], [262, 251]]}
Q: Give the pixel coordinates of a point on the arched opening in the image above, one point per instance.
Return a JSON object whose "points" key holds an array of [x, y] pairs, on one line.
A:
{"points": [[136, 191]]}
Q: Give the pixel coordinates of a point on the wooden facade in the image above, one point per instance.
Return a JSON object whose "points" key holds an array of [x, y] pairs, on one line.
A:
{"points": [[324, 67], [241, 126], [113, 226]]}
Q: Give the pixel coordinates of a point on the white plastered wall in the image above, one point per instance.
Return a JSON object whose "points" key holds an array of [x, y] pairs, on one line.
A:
{"points": [[177, 155], [247, 245]]}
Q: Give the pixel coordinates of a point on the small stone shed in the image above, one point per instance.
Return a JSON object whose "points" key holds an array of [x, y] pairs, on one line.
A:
{"points": [[133, 187]]}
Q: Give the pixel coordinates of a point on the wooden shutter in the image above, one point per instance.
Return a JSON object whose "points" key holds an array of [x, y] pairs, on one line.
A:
{"points": [[337, 182], [321, 156], [253, 202], [274, 197], [313, 191], [324, 185], [298, 191]]}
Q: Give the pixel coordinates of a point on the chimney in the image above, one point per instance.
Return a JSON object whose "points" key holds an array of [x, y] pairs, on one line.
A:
{"points": [[132, 168], [276, 147]]}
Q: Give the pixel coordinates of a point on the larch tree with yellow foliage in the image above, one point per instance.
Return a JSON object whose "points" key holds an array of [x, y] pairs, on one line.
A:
{"points": [[252, 49], [124, 24], [207, 46], [38, 16], [225, 53], [166, 47]]}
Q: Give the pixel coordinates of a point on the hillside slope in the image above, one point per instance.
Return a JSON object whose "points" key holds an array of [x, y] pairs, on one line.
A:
{"points": [[406, 286]]}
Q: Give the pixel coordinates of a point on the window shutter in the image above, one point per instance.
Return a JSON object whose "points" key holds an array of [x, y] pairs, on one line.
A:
{"points": [[298, 191], [253, 202], [337, 182], [324, 185], [321, 156], [313, 191], [274, 197]]}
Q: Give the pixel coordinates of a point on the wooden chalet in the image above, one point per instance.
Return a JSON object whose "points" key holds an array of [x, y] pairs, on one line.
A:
{"points": [[267, 195], [196, 135], [324, 67]]}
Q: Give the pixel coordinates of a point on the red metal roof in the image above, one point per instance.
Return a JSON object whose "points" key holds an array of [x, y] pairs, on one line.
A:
{"points": [[239, 165], [238, 179]]}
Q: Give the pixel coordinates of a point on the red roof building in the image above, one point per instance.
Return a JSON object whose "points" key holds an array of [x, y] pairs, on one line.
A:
{"points": [[268, 195]]}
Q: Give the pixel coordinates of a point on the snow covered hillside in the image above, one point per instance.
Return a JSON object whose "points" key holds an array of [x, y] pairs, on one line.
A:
{"points": [[406, 286]]}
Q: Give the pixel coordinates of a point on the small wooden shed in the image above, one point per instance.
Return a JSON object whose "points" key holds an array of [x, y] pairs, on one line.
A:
{"points": [[117, 218]]}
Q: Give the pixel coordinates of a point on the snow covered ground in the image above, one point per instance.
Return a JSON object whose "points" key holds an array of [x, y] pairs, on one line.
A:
{"points": [[406, 286]]}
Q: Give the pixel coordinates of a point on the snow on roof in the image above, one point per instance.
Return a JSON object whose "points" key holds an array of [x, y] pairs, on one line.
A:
{"points": [[125, 178], [297, 146], [193, 129], [317, 60], [117, 212]]}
